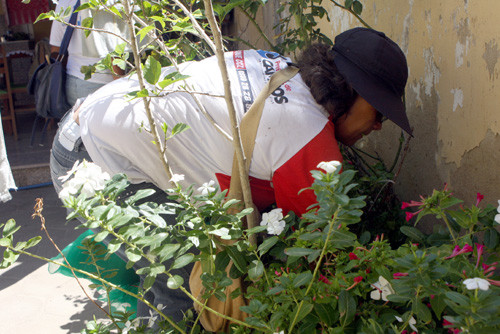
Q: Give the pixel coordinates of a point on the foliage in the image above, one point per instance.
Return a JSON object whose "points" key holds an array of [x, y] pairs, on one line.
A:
{"points": [[313, 274]]}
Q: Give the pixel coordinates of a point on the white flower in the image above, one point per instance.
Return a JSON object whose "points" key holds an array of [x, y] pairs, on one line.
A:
{"points": [[88, 178], [195, 241], [382, 289], [274, 221], [207, 188], [497, 218], [329, 166], [498, 208], [477, 283], [412, 323], [190, 224], [176, 178], [282, 332], [222, 232]]}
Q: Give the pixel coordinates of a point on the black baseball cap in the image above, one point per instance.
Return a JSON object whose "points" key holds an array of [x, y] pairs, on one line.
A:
{"points": [[376, 69]]}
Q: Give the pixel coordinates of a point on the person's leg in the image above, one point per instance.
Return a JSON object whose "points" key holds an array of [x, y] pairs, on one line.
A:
{"points": [[174, 300], [66, 150]]}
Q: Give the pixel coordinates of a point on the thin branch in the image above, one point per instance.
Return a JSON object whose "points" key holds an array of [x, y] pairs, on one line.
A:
{"points": [[237, 143], [353, 13], [38, 213]]}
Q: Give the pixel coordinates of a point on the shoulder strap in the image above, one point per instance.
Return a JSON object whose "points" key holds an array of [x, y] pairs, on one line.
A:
{"points": [[250, 124], [68, 33]]}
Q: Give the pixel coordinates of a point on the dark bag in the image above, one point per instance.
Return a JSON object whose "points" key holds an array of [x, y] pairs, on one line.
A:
{"points": [[48, 83]]}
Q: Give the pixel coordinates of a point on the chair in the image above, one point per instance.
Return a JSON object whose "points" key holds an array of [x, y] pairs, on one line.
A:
{"points": [[20, 88], [8, 114]]}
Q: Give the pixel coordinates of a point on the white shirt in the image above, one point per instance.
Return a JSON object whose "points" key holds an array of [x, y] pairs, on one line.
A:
{"points": [[110, 123]]}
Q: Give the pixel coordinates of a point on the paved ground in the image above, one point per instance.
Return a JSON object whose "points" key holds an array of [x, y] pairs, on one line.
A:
{"points": [[31, 299]]}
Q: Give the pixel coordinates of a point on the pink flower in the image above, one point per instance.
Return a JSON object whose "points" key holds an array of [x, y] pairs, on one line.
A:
{"points": [[497, 283], [479, 249], [353, 256], [457, 251], [399, 275], [324, 279], [479, 198], [405, 205]]}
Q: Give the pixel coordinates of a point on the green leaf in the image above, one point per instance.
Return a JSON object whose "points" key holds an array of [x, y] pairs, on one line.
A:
{"points": [[238, 259], [348, 4], [438, 305], [303, 311], [302, 279], [491, 238], [166, 252], [148, 282], [5, 242], [182, 261], [179, 127], [133, 254], [10, 228], [114, 245], [144, 31], [357, 7], [140, 194], [296, 251], [422, 311], [156, 268], [267, 244], [457, 298], [255, 270], [87, 22], [175, 282], [33, 242], [172, 78], [101, 236], [413, 233], [347, 307], [326, 312], [152, 70]]}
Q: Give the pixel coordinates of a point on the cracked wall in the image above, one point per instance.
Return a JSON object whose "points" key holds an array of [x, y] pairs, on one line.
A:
{"points": [[452, 96]]}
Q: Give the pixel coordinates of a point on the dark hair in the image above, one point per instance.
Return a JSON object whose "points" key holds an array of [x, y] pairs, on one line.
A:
{"points": [[328, 87]]}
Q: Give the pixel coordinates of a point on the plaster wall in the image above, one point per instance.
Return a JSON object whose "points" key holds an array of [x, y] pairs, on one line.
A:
{"points": [[452, 96]]}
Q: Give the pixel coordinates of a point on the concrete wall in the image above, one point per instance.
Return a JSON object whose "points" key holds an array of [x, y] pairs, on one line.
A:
{"points": [[452, 96]]}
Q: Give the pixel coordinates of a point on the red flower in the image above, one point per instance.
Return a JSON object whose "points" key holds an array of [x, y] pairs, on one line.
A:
{"points": [[358, 279], [410, 215], [353, 256], [405, 205], [479, 249], [324, 279], [457, 251], [399, 275], [479, 198]]}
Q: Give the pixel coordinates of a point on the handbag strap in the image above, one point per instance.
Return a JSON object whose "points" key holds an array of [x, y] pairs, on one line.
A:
{"points": [[250, 124], [68, 33]]}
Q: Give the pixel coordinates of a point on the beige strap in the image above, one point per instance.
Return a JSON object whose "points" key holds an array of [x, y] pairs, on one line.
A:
{"points": [[250, 123]]}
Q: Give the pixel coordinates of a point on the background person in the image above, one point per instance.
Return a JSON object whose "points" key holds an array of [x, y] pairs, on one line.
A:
{"points": [[85, 51]]}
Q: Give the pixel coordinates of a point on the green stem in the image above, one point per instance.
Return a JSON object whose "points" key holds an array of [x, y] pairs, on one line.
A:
{"points": [[353, 13], [449, 228], [316, 269]]}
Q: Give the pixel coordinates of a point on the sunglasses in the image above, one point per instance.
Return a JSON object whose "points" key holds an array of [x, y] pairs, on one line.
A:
{"points": [[381, 118]]}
